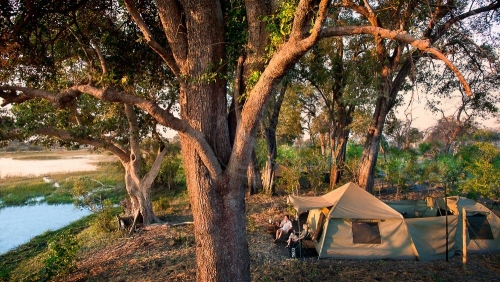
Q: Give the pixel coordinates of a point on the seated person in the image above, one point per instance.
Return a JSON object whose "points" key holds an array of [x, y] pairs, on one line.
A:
{"points": [[304, 234], [284, 227]]}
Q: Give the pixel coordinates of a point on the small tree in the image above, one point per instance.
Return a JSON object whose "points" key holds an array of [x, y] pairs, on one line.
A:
{"points": [[482, 166]]}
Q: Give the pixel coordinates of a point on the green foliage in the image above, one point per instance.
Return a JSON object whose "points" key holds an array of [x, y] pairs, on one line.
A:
{"points": [[485, 135], [289, 126], [354, 151], [59, 258], [292, 167], [443, 169], [424, 147], [482, 166], [261, 152], [171, 172], [252, 80], [162, 204], [17, 194], [279, 25], [400, 168], [91, 194], [304, 165], [105, 221]]}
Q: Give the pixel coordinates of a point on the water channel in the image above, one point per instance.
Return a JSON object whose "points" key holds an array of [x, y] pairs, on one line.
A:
{"points": [[19, 224]]}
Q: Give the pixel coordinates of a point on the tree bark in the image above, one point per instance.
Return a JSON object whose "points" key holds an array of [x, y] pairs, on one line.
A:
{"points": [[253, 175], [339, 137], [338, 157], [271, 143], [371, 147]]}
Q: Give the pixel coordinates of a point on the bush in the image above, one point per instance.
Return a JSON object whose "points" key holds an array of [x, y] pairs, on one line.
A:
{"points": [[105, 221], [58, 259]]}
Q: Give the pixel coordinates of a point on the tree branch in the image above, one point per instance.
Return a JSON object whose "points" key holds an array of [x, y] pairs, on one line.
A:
{"points": [[164, 54], [423, 45], [171, 17], [155, 168], [66, 136], [440, 31], [66, 96]]}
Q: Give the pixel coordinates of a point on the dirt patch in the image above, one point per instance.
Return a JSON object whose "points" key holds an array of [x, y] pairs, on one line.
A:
{"points": [[161, 253]]}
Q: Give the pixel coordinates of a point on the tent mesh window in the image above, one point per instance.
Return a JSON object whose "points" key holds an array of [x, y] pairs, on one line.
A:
{"points": [[479, 227], [364, 232]]}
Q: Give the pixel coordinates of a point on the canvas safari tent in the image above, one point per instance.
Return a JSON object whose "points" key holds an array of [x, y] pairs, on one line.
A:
{"points": [[483, 226], [482, 230], [350, 223]]}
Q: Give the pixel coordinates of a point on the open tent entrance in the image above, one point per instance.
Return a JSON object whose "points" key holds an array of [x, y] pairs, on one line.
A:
{"points": [[479, 227]]}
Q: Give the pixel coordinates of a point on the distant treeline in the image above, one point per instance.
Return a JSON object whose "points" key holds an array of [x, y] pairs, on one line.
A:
{"points": [[16, 146]]}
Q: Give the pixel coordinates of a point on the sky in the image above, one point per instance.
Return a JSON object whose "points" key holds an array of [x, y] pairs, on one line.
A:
{"points": [[423, 118]]}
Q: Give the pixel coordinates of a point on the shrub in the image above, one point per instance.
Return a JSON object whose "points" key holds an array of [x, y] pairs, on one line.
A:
{"points": [[105, 221]]}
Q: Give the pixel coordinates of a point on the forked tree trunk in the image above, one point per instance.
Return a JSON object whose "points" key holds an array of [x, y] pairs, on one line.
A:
{"points": [[218, 212], [140, 197], [215, 168], [217, 201], [339, 137], [139, 188]]}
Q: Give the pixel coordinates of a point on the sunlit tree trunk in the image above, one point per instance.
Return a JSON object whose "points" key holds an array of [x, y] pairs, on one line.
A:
{"points": [[139, 188], [371, 147]]}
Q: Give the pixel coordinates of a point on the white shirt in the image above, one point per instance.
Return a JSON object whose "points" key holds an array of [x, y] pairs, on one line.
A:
{"points": [[286, 225]]}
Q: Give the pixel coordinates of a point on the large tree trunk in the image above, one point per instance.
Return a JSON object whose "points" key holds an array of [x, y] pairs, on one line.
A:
{"points": [[215, 168], [372, 144], [217, 203], [217, 200], [272, 149], [339, 138]]}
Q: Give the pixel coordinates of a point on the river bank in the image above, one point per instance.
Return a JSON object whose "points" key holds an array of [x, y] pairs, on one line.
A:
{"points": [[36, 190]]}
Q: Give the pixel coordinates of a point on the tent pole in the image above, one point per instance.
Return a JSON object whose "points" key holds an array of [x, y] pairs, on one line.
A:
{"points": [[464, 239], [446, 220], [300, 240]]}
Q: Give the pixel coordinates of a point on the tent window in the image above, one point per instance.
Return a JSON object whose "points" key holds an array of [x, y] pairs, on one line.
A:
{"points": [[366, 233], [479, 227]]}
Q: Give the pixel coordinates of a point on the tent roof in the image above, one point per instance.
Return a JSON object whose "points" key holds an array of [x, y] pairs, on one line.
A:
{"points": [[348, 201]]}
